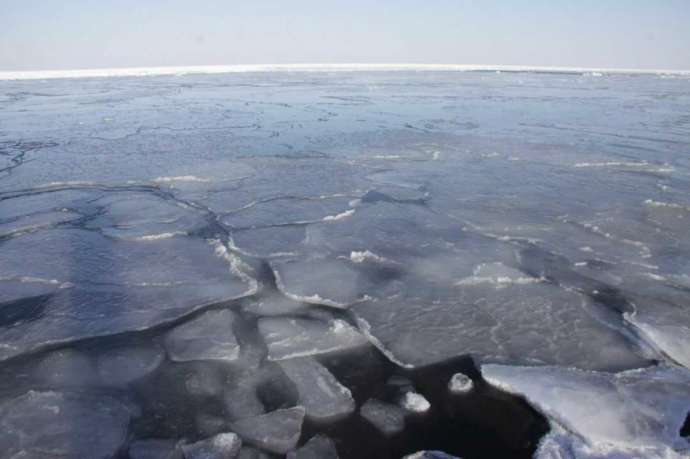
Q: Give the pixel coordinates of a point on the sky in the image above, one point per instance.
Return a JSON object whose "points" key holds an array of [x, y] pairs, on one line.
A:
{"points": [[84, 34]]}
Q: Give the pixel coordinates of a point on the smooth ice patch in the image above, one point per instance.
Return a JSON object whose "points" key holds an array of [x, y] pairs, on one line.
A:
{"points": [[415, 402]]}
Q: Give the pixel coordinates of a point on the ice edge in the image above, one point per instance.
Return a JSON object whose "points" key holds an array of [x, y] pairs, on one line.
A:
{"points": [[350, 67]]}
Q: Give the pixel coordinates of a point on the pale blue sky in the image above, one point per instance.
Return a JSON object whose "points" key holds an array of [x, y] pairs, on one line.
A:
{"points": [[68, 34]]}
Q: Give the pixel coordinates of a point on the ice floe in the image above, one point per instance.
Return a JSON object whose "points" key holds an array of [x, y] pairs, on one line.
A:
{"points": [[276, 432], [207, 337], [636, 413], [386, 418], [320, 281], [292, 337], [323, 397], [221, 446], [415, 402]]}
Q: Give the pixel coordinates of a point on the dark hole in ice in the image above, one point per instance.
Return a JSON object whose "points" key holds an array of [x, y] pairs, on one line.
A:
{"points": [[611, 297], [23, 310], [599, 265], [277, 392], [374, 196], [483, 423], [267, 277], [685, 428]]}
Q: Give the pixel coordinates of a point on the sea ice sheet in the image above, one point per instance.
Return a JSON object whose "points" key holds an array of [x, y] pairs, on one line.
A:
{"points": [[507, 216]]}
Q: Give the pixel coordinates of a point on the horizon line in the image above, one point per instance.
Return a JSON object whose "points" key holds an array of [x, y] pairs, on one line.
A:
{"points": [[311, 67]]}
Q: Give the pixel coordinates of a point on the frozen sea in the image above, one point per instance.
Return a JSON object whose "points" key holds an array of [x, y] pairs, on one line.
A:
{"points": [[353, 264]]}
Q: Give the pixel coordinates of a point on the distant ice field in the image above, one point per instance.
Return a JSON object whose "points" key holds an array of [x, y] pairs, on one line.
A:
{"points": [[351, 67], [266, 250]]}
